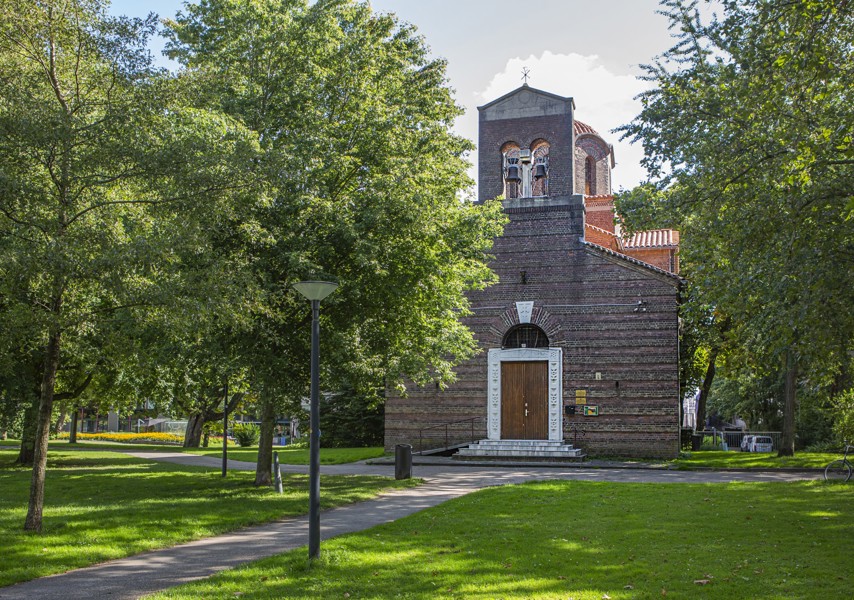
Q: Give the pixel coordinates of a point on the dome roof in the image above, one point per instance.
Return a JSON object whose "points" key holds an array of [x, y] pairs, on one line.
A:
{"points": [[580, 128]]}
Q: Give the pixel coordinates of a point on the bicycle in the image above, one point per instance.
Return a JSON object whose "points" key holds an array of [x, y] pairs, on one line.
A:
{"points": [[839, 470]]}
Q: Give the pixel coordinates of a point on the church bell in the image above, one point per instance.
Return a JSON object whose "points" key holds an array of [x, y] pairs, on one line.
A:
{"points": [[513, 173], [540, 170]]}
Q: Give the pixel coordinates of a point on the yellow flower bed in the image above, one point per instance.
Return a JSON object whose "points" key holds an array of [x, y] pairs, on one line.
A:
{"points": [[129, 438]]}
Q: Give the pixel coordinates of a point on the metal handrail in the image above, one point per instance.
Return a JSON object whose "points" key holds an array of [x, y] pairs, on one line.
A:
{"points": [[421, 431]]}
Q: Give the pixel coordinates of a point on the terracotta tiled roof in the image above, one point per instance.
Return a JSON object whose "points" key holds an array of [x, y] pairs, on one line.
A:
{"points": [[630, 259], [656, 238], [602, 237], [582, 128]]}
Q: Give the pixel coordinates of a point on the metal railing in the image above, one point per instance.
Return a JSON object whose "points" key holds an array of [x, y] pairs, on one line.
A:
{"points": [[450, 435], [733, 438]]}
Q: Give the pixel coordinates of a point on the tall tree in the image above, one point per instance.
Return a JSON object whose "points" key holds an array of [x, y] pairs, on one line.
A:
{"points": [[97, 157], [748, 143], [354, 120]]}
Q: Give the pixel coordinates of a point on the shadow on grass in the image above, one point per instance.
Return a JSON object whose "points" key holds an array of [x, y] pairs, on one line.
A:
{"points": [[754, 460], [100, 506], [582, 540]]}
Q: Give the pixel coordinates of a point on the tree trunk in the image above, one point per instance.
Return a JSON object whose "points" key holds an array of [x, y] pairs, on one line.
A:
{"points": [[72, 433], [60, 421], [27, 452], [263, 468], [193, 435], [704, 390], [36, 505], [787, 442]]}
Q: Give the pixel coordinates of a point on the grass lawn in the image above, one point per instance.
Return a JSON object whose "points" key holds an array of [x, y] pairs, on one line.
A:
{"points": [[105, 505], [716, 459], [581, 540]]}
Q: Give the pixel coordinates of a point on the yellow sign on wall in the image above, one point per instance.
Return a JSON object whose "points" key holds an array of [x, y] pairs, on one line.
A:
{"points": [[581, 396]]}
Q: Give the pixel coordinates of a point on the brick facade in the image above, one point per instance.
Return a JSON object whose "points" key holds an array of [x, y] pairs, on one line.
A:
{"points": [[615, 317], [600, 212]]}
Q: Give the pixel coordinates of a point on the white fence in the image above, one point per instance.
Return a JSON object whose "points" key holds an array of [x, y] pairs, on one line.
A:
{"points": [[733, 438]]}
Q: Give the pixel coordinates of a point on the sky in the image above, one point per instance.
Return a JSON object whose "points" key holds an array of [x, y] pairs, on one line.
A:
{"points": [[591, 51]]}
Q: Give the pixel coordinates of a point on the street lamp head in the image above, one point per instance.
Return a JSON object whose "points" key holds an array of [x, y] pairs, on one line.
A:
{"points": [[315, 290]]}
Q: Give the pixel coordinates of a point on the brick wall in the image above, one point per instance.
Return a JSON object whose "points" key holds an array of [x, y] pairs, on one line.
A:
{"points": [[663, 258], [600, 212], [586, 300]]}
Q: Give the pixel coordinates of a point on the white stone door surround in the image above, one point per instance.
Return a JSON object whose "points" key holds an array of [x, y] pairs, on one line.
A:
{"points": [[495, 357]]}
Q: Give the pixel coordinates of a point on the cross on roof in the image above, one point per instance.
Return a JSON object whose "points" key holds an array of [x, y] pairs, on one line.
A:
{"points": [[525, 74]]}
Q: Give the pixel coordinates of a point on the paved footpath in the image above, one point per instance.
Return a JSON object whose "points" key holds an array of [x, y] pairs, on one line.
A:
{"points": [[146, 573]]}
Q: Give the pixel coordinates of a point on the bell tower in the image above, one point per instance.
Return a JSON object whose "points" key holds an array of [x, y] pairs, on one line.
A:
{"points": [[525, 146]]}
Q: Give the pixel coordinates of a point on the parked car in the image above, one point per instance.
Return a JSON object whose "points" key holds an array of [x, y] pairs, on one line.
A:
{"points": [[745, 443], [761, 443]]}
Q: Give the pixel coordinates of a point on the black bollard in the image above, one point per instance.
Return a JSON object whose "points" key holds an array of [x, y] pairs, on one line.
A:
{"points": [[402, 461]]}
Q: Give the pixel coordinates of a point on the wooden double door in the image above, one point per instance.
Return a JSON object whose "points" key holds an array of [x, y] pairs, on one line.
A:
{"points": [[525, 400]]}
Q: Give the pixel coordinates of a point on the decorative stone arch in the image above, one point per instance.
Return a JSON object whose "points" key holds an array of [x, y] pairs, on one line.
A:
{"points": [[510, 318]]}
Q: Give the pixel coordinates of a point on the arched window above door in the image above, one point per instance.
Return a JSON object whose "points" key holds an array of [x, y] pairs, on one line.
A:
{"points": [[525, 336]]}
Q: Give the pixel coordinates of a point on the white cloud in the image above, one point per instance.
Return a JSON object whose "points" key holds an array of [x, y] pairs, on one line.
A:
{"points": [[603, 100]]}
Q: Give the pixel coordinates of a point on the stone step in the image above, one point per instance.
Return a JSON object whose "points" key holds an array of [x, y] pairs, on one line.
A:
{"points": [[542, 444], [537, 449], [508, 448], [466, 452]]}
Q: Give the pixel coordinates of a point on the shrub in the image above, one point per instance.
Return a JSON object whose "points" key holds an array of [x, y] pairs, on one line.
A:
{"points": [[843, 425], [829, 447], [351, 419], [247, 434], [709, 443]]}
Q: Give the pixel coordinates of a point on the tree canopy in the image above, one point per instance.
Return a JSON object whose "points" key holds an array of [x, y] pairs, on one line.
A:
{"points": [[98, 156], [366, 178], [747, 133], [151, 223]]}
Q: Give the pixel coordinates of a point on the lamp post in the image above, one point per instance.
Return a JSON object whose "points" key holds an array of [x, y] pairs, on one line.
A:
{"points": [[315, 291], [225, 429]]}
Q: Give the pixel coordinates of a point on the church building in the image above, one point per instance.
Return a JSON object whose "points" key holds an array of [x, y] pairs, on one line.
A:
{"points": [[579, 337]]}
